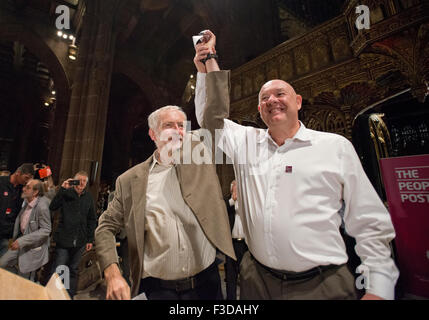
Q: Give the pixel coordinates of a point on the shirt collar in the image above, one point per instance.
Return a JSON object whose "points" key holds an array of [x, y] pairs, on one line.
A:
{"points": [[156, 162], [32, 203], [302, 134]]}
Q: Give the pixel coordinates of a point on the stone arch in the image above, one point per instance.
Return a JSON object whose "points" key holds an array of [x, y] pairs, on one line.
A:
{"points": [[154, 94], [40, 48]]}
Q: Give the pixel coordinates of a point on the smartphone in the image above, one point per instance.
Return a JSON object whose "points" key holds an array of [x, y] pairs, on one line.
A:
{"points": [[45, 172], [74, 182]]}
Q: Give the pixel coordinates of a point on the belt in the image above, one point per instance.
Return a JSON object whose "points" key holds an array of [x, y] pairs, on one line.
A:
{"points": [[185, 283], [287, 275]]}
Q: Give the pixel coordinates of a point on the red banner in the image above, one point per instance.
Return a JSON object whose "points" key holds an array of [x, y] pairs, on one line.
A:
{"points": [[406, 181]]}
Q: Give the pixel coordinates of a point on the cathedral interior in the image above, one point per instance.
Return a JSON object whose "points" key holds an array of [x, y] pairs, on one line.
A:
{"points": [[78, 97]]}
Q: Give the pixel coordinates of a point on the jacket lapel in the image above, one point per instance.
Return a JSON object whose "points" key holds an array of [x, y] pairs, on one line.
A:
{"points": [[138, 192], [17, 226], [188, 172]]}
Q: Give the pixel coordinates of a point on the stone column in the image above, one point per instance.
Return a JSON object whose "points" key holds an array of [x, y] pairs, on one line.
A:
{"points": [[86, 120]]}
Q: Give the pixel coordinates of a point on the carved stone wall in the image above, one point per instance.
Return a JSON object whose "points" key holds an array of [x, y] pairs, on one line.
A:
{"points": [[339, 70]]}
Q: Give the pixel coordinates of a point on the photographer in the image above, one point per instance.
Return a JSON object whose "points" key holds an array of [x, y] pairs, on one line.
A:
{"points": [[75, 232]]}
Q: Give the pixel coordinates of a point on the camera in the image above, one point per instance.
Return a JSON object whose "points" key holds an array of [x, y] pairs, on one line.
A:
{"points": [[74, 182]]}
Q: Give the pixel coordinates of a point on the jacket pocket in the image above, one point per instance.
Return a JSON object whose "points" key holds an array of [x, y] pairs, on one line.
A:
{"points": [[33, 226]]}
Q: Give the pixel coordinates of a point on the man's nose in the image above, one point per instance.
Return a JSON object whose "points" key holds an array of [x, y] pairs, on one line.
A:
{"points": [[179, 129], [272, 98]]}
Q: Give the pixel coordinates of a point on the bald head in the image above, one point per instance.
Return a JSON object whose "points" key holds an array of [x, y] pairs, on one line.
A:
{"points": [[276, 83], [279, 105]]}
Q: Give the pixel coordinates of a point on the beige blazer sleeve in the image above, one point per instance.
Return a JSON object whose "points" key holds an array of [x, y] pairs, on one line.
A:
{"points": [[111, 222], [217, 100]]}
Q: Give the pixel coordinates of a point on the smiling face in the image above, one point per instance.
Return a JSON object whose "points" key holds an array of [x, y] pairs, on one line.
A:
{"points": [[170, 130], [279, 104]]}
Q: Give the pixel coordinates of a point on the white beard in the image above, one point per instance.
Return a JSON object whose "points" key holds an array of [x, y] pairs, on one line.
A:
{"points": [[169, 151]]}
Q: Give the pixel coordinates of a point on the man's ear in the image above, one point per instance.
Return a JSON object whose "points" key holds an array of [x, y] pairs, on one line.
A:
{"points": [[299, 101], [152, 135], [259, 107]]}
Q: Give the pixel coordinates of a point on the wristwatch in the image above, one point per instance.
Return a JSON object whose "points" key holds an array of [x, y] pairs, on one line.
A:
{"points": [[210, 56]]}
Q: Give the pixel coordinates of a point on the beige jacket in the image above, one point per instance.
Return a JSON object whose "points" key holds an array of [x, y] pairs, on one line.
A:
{"points": [[202, 193]]}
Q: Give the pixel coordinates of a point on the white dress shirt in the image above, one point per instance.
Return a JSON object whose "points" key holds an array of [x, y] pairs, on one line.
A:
{"points": [[290, 197], [175, 244]]}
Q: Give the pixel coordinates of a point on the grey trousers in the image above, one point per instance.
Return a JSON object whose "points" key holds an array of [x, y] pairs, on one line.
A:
{"points": [[9, 262], [257, 283]]}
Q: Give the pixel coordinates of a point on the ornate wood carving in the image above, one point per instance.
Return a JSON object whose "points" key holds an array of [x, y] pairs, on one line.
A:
{"points": [[409, 53], [393, 55], [325, 118], [395, 20], [286, 67]]}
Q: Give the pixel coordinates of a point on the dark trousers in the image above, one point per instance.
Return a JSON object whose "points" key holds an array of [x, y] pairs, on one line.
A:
{"points": [[256, 283], [232, 268], [208, 288], [69, 257]]}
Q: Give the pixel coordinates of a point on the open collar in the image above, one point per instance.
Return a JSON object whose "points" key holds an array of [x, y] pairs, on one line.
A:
{"points": [[302, 134]]}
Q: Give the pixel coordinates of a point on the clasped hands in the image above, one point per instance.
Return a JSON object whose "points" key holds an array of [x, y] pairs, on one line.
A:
{"points": [[206, 45]]}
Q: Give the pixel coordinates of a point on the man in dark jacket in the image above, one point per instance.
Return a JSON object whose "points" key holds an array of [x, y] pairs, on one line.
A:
{"points": [[75, 232], [10, 201]]}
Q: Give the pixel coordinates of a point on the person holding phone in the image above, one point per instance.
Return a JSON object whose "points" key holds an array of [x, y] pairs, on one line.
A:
{"points": [[77, 222]]}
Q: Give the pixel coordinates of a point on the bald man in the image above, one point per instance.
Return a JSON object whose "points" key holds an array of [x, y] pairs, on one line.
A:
{"points": [[292, 183]]}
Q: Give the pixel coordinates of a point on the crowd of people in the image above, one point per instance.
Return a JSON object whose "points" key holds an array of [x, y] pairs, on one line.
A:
{"points": [[29, 199], [280, 230]]}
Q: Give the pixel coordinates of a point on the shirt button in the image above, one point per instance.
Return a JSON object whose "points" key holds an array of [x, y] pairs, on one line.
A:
{"points": [[183, 269]]}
